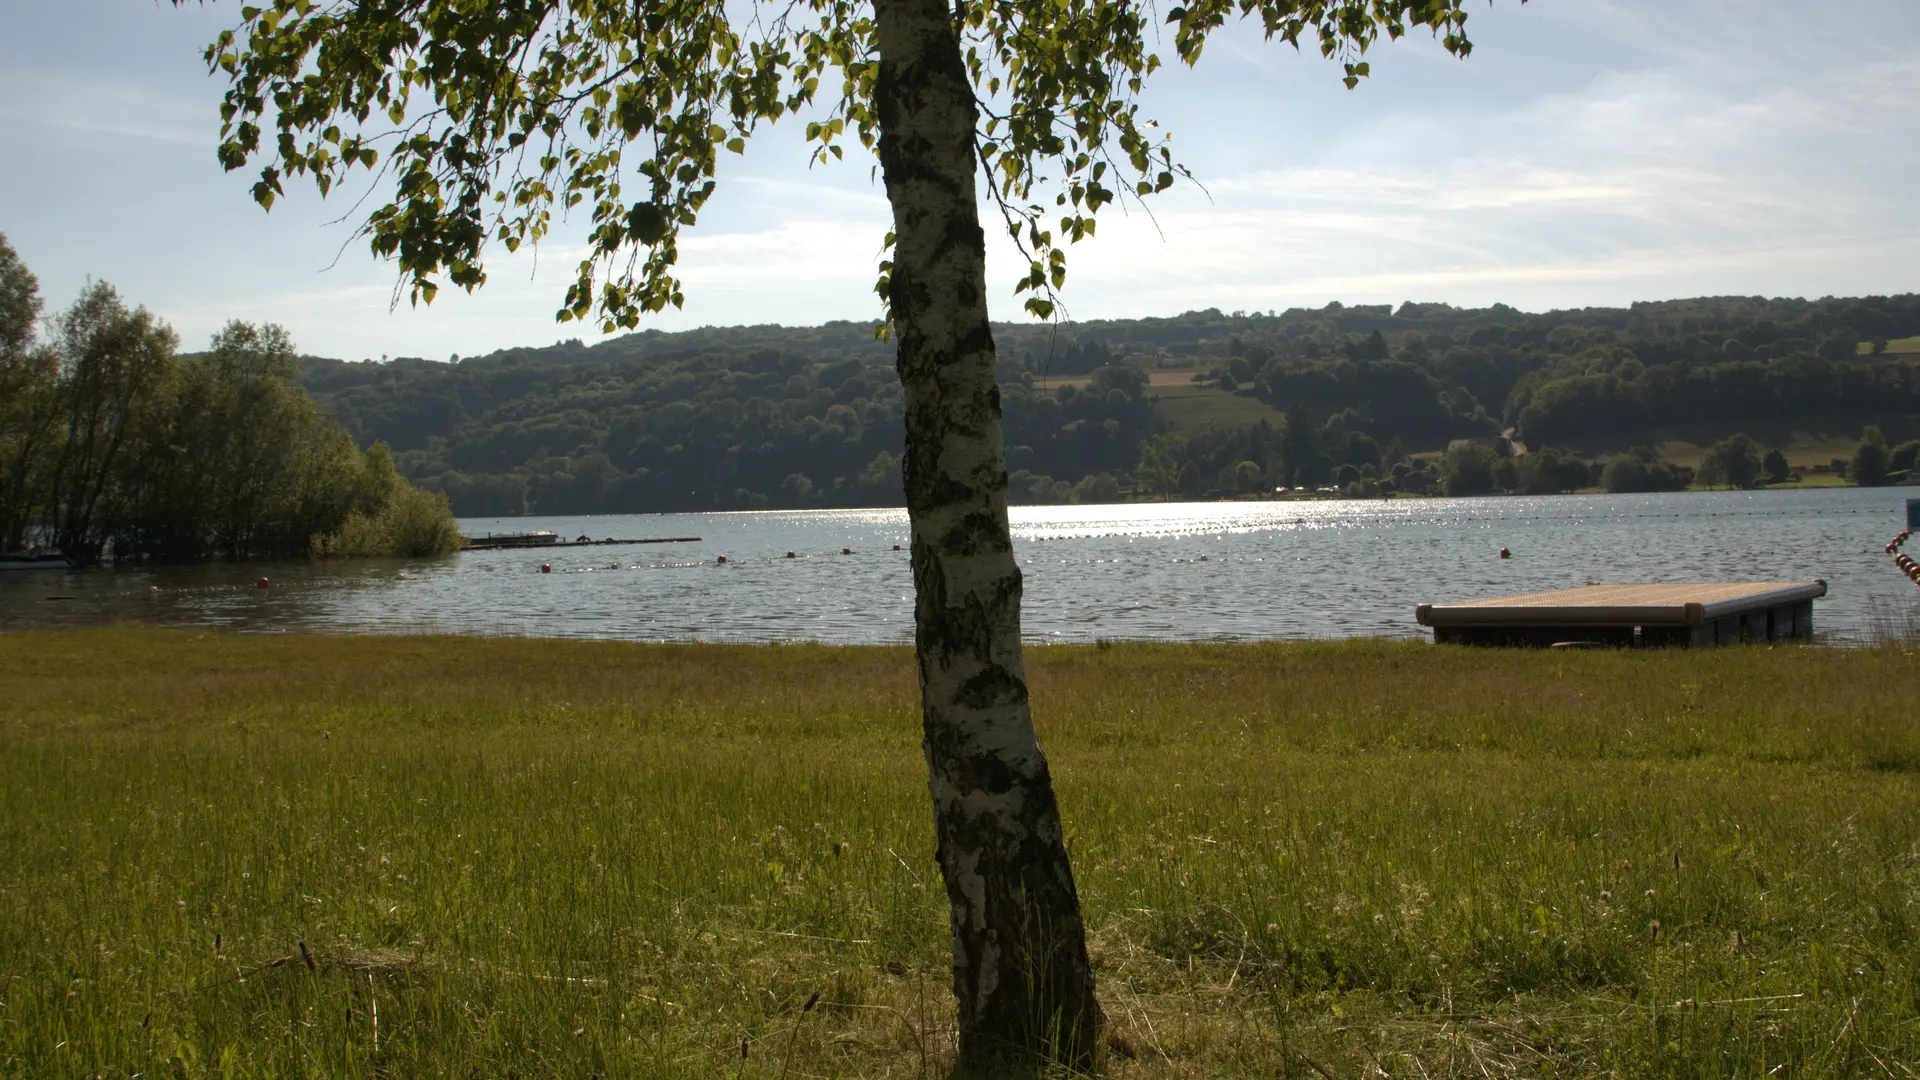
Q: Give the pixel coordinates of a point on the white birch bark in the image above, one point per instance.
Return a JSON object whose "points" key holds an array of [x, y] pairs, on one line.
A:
{"points": [[1020, 967]]}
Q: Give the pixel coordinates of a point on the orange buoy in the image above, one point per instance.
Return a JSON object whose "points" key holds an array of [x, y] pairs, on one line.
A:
{"points": [[722, 560], [791, 555], [546, 568], [1505, 554], [264, 583], [896, 547]]}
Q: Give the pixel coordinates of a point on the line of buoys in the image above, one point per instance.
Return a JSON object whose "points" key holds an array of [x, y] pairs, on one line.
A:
{"points": [[1904, 562], [722, 560]]}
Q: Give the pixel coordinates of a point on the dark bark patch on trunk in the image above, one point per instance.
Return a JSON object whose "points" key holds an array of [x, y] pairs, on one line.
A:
{"points": [[1020, 973], [992, 687], [977, 534]]}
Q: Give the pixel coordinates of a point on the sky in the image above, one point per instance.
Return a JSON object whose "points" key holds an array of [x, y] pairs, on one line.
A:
{"points": [[1589, 152]]}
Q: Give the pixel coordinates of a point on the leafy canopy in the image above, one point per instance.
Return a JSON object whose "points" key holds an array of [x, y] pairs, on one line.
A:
{"points": [[487, 116]]}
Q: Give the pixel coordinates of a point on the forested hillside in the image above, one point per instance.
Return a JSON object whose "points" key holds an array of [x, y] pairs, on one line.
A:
{"points": [[768, 416]]}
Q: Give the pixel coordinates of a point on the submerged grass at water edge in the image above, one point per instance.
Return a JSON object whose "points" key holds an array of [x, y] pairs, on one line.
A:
{"points": [[350, 856]]}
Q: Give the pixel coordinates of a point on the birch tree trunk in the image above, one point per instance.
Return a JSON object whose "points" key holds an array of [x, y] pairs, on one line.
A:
{"points": [[1020, 967]]}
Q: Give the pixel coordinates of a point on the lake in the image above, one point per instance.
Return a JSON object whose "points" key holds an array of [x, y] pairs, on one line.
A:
{"points": [[1161, 571]]}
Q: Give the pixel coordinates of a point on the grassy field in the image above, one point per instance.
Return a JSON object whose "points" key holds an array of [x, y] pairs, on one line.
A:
{"points": [[1895, 347], [1803, 449], [410, 857], [1192, 409]]}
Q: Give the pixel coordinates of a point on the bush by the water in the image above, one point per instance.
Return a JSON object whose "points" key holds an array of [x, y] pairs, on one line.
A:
{"points": [[393, 518], [112, 443]]}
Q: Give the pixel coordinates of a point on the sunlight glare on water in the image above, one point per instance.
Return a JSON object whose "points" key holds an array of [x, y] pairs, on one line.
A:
{"points": [[1162, 571]]}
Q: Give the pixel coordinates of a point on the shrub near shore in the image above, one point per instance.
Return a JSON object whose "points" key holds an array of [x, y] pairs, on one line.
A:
{"points": [[114, 445], [557, 859]]}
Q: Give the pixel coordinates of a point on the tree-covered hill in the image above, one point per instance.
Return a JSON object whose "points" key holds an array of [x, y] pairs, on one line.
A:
{"points": [[768, 416]]}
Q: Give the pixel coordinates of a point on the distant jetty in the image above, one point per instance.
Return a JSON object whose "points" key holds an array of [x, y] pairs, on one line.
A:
{"points": [[545, 539]]}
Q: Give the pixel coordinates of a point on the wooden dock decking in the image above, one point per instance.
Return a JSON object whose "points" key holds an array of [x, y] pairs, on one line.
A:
{"points": [[1705, 613]]}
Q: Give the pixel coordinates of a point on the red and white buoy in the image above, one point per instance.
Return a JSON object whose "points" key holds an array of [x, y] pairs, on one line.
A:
{"points": [[1903, 562]]}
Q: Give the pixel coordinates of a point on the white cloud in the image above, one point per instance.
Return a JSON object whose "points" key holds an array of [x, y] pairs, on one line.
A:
{"points": [[1705, 172], [86, 107], [1598, 151]]}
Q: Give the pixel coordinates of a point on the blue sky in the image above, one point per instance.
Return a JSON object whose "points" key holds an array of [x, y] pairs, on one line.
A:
{"points": [[1591, 152]]}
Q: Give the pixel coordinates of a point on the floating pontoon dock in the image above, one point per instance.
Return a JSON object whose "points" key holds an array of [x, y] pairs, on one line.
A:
{"points": [[1709, 613]]}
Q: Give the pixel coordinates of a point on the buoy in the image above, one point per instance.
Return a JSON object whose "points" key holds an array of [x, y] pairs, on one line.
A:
{"points": [[1505, 554], [846, 551], [546, 568], [263, 583], [791, 555], [896, 547], [722, 560]]}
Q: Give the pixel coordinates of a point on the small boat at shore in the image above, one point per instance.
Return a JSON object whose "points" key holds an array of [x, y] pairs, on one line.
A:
{"points": [[42, 560]]}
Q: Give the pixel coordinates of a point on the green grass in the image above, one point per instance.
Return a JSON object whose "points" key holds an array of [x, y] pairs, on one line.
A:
{"points": [[545, 859], [1813, 480], [1803, 449], [1895, 346], [1193, 409]]}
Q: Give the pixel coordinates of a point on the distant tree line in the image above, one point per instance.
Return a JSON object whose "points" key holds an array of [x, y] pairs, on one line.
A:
{"points": [[112, 443], [766, 416]]}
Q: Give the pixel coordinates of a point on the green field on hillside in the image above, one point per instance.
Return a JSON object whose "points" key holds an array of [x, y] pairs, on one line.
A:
{"points": [[1803, 449], [294, 855], [1895, 346], [1192, 409]]}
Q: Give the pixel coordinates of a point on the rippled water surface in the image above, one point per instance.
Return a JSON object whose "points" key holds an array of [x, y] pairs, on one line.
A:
{"points": [[1188, 571]]}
